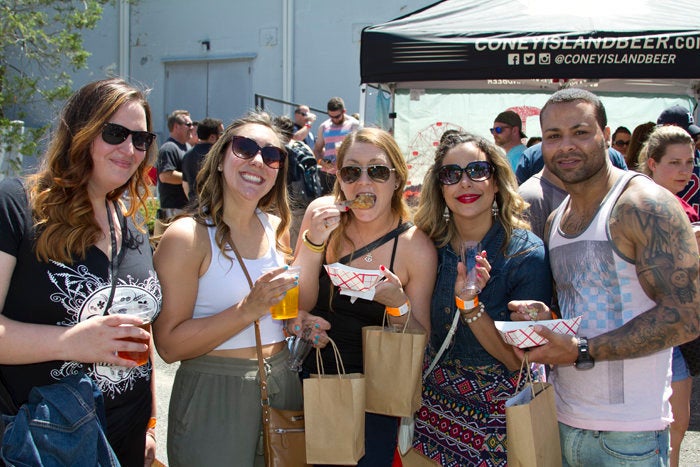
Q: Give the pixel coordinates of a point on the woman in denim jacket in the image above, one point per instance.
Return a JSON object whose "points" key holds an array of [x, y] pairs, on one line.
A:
{"points": [[469, 194]]}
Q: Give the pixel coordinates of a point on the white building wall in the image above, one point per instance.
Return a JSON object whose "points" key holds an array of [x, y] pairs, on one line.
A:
{"points": [[325, 50]]}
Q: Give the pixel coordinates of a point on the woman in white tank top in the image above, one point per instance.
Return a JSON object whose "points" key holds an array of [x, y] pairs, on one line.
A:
{"points": [[209, 309]]}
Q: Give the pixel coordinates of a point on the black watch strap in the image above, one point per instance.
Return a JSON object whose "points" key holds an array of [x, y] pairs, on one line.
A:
{"points": [[584, 361]]}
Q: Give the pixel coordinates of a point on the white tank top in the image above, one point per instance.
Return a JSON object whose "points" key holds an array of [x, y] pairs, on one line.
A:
{"points": [[224, 284], [595, 281]]}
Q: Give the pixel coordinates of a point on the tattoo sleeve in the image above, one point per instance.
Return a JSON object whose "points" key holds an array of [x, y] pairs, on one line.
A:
{"points": [[655, 229]]}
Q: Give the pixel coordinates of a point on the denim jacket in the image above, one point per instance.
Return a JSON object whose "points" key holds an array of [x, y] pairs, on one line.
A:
{"points": [[521, 273], [61, 424]]}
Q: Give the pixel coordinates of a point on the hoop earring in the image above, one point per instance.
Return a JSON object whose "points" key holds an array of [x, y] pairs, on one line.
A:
{"points": [[494, 208]]}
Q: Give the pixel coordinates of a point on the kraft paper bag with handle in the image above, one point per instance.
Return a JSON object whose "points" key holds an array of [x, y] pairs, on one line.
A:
{"points": [[393, 362], [531, 425], [334, 411]]}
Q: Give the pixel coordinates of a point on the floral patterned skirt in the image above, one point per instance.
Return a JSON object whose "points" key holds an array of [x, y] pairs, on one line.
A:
{"points": [[462, 419]]}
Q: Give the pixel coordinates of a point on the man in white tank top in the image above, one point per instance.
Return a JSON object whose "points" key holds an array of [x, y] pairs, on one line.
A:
{"points": [[623, 256]]}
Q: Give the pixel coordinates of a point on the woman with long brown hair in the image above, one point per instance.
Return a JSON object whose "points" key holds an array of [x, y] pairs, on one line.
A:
{"points": [[70, 247], [209, 309]]}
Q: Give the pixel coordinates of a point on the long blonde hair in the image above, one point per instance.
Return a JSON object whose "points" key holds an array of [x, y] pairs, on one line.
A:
{"points": [[62, 212], [387, 144], [431, 208], [210, 185]]}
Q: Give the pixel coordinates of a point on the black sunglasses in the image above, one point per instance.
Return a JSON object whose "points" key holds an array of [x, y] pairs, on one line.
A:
{"points": [[335, 117], [620, 142], [116, 134], [477, 171], [246, 148], [378, 173]]}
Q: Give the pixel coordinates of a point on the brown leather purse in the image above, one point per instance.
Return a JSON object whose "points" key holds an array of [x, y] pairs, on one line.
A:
{"points": [[284, 439]]}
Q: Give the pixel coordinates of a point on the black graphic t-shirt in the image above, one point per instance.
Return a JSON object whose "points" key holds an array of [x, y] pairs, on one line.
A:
{"points": [[65, 294]]}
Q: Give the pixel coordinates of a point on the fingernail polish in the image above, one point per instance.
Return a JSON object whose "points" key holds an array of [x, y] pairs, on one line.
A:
{"points": [[317, 326], [297, 327]]}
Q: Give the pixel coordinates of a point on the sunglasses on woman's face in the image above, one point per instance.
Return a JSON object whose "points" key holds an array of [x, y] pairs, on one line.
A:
{"points": [[378, 173], [116, 134], [477, 171], [246, 148]]}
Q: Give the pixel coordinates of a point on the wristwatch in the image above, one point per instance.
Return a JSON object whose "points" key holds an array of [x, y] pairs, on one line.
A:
{"points": [[584, 360]]}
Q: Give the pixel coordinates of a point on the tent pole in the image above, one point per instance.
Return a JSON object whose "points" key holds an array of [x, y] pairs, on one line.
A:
{"points": [[363, 103]]}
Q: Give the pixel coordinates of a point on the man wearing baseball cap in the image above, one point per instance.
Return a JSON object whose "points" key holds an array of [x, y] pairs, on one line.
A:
{"points": [[682, 117], [508, 133]]}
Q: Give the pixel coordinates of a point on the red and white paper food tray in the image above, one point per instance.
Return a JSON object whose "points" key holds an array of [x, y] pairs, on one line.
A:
{"points": [[521, 333], [354, 281]]}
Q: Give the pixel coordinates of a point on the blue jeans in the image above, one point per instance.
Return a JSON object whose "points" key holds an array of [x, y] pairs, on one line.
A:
{"points": [[634, 448]]}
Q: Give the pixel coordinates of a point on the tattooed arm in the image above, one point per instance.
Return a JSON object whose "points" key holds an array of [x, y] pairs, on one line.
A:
{"points": [[649, 225]]}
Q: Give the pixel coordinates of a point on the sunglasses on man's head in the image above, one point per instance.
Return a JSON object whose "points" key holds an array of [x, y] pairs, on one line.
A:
{"points": [[378, 173], [477, 171], [246, 148], [114, 134]]}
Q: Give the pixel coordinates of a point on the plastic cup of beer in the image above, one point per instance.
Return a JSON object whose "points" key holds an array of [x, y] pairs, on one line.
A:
{"points": [[146, 314], [288, 307]]}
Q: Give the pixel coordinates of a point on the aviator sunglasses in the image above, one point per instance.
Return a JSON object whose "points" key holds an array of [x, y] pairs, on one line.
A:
{"points": [[246, 148], [477, 171], [378, 173], [116, 134]]}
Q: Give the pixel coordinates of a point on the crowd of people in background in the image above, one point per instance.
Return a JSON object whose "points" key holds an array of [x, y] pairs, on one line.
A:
{"points": [[577, 222]]}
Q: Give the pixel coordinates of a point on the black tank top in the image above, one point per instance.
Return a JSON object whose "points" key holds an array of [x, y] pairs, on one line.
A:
{"points": [[347, 320]]}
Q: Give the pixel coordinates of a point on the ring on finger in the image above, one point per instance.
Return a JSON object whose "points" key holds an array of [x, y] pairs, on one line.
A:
{"points": [[325, 224]]}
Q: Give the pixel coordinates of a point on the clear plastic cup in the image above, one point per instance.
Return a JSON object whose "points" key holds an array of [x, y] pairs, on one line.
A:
{"points": [[134, 308], [468, 252], [288, 307], [299, 348]]}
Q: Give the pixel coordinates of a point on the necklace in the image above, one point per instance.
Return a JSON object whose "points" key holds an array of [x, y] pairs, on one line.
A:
{"points": [[368, 258]]}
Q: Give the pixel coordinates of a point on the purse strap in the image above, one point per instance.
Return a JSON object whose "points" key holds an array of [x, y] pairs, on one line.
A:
{"points": [[445, 344], [401, 228], [264, 399]]}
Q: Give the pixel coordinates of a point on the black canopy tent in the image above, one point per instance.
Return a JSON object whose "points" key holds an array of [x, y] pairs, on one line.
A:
{"points": [[535, 45]]}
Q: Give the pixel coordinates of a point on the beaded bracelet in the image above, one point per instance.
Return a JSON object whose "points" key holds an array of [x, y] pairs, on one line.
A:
{"points": [[311, 245], [470, 320]]}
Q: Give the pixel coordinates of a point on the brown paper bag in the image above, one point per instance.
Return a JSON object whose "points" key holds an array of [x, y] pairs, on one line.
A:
{"points": [[334, 411], [532, 431], [393, 362]]}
